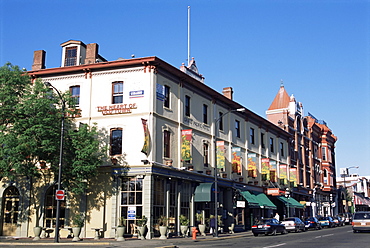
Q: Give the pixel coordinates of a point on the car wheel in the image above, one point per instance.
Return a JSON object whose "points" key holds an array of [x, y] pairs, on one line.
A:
{"points": [[255, 234], [273, 232], [296, 230]]}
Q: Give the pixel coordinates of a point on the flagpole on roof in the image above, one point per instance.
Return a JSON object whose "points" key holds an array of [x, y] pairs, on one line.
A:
{"points": [[188, 35]]}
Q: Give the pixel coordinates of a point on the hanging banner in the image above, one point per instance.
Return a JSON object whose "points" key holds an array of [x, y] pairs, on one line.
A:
{"points": [[265, 167], [236, 164], [293, 176], [186, 136], [273, 170], [146, 145], [220, 154], [283, 172], [252, 165]]}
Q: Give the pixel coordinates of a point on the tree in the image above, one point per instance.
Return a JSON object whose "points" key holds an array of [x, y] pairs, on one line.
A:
{"points": [[30, 126]]}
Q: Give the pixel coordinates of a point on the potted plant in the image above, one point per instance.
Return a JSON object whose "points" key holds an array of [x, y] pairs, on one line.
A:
{"points": [[121, 228], [37, 230], [184, 225], [201, 225], [162, 223], [142, 228], [78, 222]]}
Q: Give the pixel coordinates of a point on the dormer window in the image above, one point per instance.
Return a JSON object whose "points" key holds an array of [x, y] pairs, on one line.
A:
{"points": [[70, 56]]}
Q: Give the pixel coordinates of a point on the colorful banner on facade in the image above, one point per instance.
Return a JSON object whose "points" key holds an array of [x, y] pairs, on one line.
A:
{"points": [[236, 164], [273, 169], [146, 146], [283, 172], [186, 136], [220, 154], [252, 165], [293, 176], [265, 168]]}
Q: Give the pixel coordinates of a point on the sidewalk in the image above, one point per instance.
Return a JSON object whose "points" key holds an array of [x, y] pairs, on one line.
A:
{"points": [[130, 242]]}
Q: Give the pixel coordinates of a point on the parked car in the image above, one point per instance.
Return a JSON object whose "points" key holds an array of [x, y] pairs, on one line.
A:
{"points": [[313, 222], [327, 221], [361, 221], [294, 224], [338, 221], [268, 226]]}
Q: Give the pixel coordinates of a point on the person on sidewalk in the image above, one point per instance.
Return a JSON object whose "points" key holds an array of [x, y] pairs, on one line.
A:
{"points": [[212, 223]]}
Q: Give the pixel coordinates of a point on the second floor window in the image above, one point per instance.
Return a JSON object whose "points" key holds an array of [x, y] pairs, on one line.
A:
{"points": [[166, 144], [220, 122], [251, 136], [262, 140], [117, 92], [237, 128], [75, 93], [282, 149], [271, 144], [115, 141], [187, 106], [205, 114], [166, 101]]}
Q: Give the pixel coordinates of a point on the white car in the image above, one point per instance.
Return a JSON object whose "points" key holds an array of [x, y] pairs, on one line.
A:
{"points": [[294, 224]]}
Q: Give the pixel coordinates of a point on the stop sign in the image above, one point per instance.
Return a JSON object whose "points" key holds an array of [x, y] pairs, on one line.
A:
{"points": [[59, 195]]}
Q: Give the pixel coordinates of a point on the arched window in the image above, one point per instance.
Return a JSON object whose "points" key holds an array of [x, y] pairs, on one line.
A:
{"points": [[10, 210], [51, 209]]}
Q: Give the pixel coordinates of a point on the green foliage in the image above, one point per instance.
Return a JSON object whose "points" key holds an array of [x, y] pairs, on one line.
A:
{"points": [[78, 220], [142, 221], [184, 221], [162, 220], [121, 221], [30, 131], [199, 217]]}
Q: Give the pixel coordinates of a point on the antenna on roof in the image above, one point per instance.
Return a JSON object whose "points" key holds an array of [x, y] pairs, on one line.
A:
{"points": [[188, 35]]}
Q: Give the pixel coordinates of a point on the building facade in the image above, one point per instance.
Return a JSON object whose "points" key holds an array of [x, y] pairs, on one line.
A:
{"points": [[175, 146], [312, 154]]}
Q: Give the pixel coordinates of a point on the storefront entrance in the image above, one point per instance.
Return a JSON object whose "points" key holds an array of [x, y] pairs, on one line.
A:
{"points": [[10, 211]]}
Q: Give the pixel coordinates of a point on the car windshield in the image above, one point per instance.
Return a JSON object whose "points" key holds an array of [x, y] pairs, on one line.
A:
{"points": [[362, 216]]}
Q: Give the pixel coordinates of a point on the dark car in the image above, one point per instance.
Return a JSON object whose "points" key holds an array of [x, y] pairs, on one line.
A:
{"points": [[294, 224], [327, 221], [268, 226], [313, 222]]}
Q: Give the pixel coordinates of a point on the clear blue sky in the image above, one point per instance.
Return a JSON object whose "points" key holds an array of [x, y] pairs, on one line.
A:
{"points": [[319, 48]]}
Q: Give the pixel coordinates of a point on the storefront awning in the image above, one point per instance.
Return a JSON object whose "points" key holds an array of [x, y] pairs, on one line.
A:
{"points": [[204, 192], [252, 200], [290, 202], [264, 200]]}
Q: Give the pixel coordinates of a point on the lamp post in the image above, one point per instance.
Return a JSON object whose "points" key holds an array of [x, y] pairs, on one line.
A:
{"points": [[215, 166], [287, 195], [346, 172], [56, 238]]}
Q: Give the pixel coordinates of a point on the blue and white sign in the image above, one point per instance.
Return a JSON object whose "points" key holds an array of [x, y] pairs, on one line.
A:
{"points": [[136, 93], [131, 213]]}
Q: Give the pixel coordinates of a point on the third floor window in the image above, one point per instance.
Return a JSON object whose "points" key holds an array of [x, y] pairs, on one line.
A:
{"points": [[187, 106]]}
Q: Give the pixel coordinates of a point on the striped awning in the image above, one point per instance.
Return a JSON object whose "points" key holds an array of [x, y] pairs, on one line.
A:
{"points": [[361, 200]]}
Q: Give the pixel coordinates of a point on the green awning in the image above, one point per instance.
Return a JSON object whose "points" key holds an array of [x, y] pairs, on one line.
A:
{"points": [[290, 202], [204, 192], [252, 200], [264, 200]]}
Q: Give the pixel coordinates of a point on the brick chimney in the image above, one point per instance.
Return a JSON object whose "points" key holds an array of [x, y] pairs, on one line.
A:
{"points": [[228, 92], [38, 60], [91, 53]]}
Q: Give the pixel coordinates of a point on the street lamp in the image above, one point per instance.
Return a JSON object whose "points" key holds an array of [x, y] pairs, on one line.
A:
{"points": [[215, 165], [287, 195], [56, 238], [346, 172]]}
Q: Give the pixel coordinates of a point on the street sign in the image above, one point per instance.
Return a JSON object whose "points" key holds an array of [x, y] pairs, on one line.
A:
{"points": [[59, 195]]}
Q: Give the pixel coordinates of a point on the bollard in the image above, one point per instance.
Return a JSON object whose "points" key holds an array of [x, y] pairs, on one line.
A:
{"points": [[194, 232]]}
